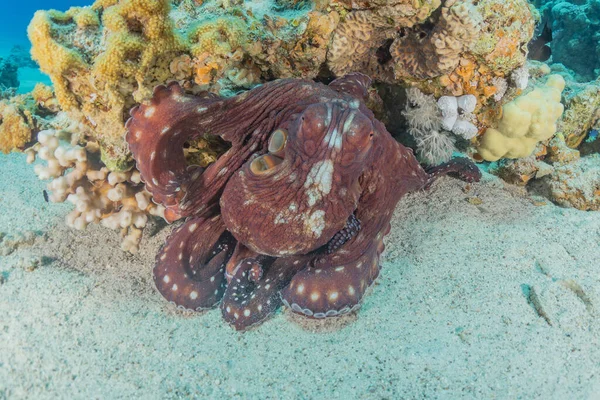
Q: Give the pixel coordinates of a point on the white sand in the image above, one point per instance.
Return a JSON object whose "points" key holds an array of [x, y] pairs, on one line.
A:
{"points": [[497, 300]]}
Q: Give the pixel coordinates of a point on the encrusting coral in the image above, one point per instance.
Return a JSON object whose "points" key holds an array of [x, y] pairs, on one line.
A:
{"points": [[22, 116]]}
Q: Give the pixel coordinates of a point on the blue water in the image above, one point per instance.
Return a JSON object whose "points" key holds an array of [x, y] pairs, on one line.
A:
{"points": [[14, 19]]}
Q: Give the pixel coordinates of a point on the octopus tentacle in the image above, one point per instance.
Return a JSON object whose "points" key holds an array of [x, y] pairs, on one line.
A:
{"points": [[190, 267], [156, 133], [355, 84], [464, 168], [331, 288], [253, 293]]}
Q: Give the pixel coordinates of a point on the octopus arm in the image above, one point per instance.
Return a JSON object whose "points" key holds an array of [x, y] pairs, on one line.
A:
{"points": [[156, 134], [463, 168], [335, 284], [251, 298], [190, 267], [355, 84]]}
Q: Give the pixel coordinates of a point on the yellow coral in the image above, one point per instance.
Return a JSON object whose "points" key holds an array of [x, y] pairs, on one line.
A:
{"points": [[83, 16], [140, 33], [15, 132], [100, 71], [527, 120], [42, 93], [54, 59], [219, 37]]}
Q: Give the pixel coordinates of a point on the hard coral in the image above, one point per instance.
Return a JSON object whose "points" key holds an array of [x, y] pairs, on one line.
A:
{"points": [[22, 116], [106, 58], [526, 121], [577, 184], [421, 54]]}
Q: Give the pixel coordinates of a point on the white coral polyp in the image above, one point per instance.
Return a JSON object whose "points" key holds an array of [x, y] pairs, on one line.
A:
{"points": [[465, 129], [455, 112], [448, 105], [115, 199]]}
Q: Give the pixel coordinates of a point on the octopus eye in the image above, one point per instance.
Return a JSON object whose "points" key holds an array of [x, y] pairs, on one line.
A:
{"points": [[277, 142], [264, 163]]}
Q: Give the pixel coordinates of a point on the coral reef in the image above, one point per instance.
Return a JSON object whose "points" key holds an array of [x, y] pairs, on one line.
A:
{"points": [[577, 184], [106, 58], [463, 60], [582, 111], [9, 67], [22, 116], [458, 49]]}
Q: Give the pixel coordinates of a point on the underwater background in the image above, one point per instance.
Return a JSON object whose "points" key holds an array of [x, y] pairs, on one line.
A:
{"points": [[13, 32], [487, 289]]}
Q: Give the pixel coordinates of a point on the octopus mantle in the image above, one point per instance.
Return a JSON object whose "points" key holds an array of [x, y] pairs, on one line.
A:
{"points": [[294, 212]]}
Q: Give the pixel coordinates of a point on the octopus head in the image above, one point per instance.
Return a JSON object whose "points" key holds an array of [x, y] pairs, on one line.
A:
{"points": [[296, 195]]}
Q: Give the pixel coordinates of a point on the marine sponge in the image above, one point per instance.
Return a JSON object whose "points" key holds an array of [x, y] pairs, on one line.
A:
{"points": [[527, 120]]}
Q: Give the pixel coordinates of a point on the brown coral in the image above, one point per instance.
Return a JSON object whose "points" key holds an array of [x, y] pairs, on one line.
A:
{"points": [[419, 53], [356, 41]]}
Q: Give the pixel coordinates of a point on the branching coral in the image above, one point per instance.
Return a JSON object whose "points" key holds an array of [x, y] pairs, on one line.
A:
{"points": [[118, 200]]}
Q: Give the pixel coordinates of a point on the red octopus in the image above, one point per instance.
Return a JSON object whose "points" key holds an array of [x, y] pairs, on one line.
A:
{"points": [[294, 212]]}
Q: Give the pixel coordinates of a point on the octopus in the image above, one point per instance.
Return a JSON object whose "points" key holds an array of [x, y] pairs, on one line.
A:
{"points": [[295, 211]]}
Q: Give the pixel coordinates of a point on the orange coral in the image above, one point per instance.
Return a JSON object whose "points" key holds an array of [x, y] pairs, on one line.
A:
{"points": [[15, 132]]}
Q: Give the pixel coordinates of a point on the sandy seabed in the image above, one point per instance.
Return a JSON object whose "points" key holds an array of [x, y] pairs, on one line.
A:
{"points": [[493, 298]]}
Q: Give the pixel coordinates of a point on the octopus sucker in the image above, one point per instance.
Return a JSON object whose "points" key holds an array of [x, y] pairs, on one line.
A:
{"points": [[293, 213]]}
